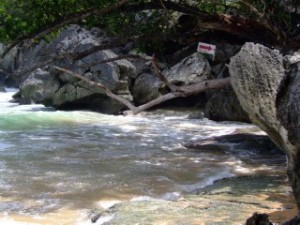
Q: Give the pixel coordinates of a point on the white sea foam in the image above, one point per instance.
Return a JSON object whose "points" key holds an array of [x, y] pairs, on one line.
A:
{"points": [[9, 221], [171, 196], [98, 135], [105, 204], [141, 198], [207, 181]]}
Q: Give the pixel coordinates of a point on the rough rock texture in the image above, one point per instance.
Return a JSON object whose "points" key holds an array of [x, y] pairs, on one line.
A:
{"points": [[288, 99], [7, 66], [227, 202], [261, 219], [256, 142], [39, 87], [61, 90], [223, 105], [260, 80], [146, 88], [190, 70], [2, 82], [225, 51], [256, 73], [288, 105]]}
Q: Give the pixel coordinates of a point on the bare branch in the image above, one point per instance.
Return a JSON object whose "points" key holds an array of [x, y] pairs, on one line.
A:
{"points": [[263, 19], [162, 78], [183, 92], [61, 22], [99, 85], [228, 23]]}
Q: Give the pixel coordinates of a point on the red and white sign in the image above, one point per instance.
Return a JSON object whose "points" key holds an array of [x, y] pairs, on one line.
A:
{"points": [[206, 48]]}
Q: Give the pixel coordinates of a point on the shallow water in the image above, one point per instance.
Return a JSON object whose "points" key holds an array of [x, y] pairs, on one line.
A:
{"points": [[57, 165]]}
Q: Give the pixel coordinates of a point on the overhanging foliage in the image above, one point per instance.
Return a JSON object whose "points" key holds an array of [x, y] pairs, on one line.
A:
{"points": [[272, 22]]}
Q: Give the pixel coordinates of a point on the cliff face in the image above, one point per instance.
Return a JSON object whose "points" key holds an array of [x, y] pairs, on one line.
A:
{"points": [[288, 107], [268, 88]]}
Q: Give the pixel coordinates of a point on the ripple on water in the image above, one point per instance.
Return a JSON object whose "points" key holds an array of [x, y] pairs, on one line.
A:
{"points": [[57, 159]]}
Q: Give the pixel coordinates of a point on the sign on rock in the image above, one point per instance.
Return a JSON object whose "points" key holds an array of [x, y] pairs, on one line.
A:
{"points": [[207, 49]]}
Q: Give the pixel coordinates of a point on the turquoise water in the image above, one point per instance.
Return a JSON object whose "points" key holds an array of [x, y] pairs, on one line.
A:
{"points": [[52, 160]]}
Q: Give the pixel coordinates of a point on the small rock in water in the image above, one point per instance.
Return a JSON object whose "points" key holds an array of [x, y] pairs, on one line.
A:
{"points": [[96, 217], [258, 219], [294, 221]]}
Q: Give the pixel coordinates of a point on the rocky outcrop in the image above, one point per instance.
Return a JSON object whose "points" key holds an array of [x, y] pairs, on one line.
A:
{"points": [[223, 105], [288, 105], [192, 69], [269, 94], [288, 98], [256, 73], [55, 88], [262, 219], [2, 87], [226, 201], [7, 66], [8, 63]]}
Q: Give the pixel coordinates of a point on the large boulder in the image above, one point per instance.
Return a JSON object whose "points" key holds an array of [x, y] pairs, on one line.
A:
{"points": [[256, 73], [269, 93], [288, 105], [51, 87], [223, 105], [192, 69], [39, 87]]}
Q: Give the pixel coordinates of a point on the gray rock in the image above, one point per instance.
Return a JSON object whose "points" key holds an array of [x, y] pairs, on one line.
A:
{"points": [[288, 106], [256, 73], [227, 201], [225, 51], [223, 105], [38, 88], [69, 92], [7, 64], [2, 80], [288, 98], [190, 70], [269, 93], [146, 88]]}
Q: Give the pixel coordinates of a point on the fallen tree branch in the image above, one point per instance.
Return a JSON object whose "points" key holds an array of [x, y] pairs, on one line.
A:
{"points": [[99, 85], [162, 78], [184, 91]]}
